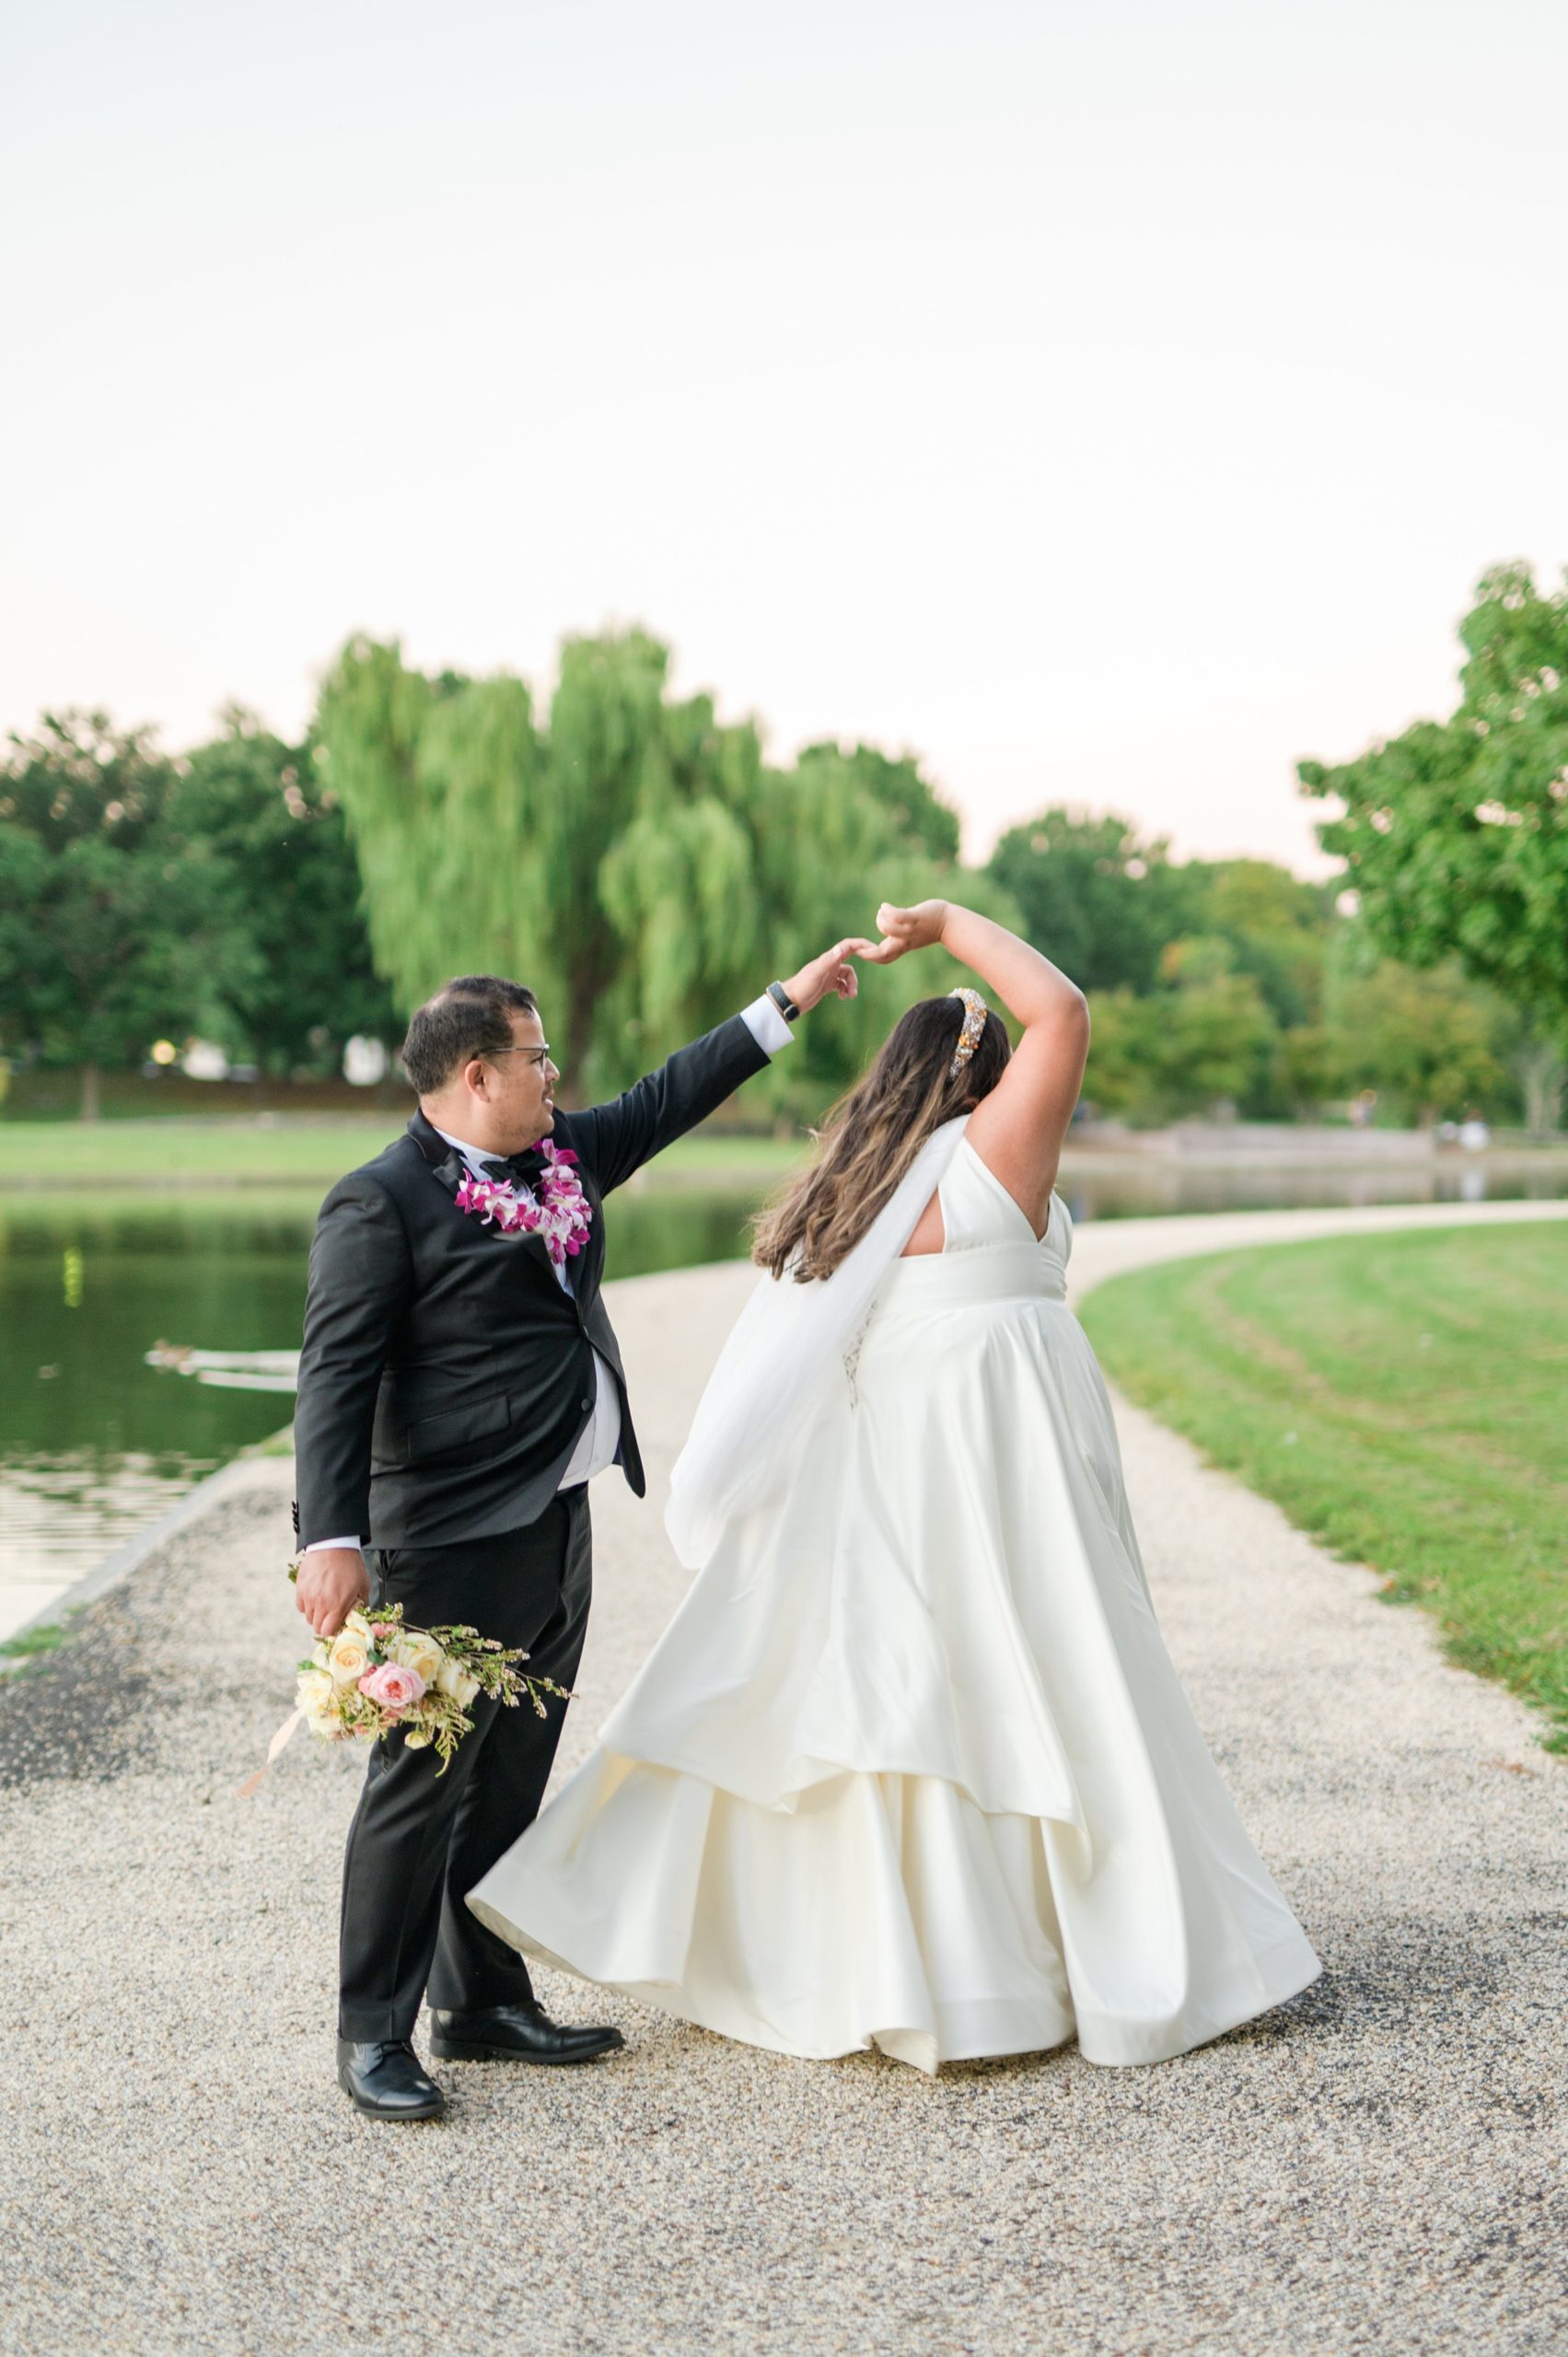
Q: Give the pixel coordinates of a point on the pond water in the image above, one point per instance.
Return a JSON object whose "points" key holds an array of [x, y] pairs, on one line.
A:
{"points": [[95, 1443]]}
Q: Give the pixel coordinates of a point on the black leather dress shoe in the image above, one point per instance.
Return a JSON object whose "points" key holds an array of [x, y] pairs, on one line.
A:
{"points": [[517, 2034], [387, 2079]]}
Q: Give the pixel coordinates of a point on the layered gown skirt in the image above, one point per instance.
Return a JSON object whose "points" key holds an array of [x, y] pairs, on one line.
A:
{"points": [[911, 1767]]}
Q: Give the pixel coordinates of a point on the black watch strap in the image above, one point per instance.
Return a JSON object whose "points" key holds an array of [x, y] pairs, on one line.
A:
{"points": [[783, 1000]]}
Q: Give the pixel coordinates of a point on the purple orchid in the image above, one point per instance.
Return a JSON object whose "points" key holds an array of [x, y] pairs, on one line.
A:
{"points": [[560, 1212]]}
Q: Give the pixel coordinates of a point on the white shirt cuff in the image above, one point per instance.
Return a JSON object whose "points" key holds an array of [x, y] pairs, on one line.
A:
{"points": [[766, 1025], [316, 1544]]}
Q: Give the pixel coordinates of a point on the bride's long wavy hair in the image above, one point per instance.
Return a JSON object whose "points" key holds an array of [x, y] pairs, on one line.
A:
{"points": [[869, 1138]]}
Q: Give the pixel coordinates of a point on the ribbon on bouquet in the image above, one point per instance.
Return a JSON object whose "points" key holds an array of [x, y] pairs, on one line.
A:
{"points": [[253, 1783]]}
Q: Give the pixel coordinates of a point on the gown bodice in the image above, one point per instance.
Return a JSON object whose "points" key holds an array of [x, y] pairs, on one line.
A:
{"points": [[989, 1250]]}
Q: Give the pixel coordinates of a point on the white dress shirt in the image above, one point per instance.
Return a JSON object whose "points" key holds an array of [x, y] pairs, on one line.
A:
{"points": [[600, 1436]]}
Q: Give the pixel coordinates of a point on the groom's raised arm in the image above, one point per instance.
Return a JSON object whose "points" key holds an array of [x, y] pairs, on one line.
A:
{"points": [[616, 1138]]}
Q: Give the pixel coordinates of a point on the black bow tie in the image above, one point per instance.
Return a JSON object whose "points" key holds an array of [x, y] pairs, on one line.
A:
{"points": [[517, 1166]]}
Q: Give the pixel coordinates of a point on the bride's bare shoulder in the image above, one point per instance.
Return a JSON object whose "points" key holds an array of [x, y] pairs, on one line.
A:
{"points": [[1017, 1130]]}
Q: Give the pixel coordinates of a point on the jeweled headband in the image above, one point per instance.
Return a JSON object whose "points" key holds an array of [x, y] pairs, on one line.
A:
{"points": [[968, 1038]]}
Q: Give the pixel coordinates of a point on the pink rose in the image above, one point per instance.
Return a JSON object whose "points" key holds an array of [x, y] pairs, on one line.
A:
{"points": [[393, 1687]]}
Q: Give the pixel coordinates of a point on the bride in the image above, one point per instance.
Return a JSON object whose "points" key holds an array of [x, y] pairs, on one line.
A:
{"points": [[911, 1767]]}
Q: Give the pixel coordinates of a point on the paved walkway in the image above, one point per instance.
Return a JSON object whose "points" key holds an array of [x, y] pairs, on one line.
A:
{"points": [[1377, 2166]]}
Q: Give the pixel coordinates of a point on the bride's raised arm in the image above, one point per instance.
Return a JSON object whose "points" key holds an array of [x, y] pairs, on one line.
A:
{"points": [[1018, 1128]]}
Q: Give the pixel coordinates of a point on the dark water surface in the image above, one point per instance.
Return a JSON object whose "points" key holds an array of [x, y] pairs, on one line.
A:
{"points": [[94, 1443]]}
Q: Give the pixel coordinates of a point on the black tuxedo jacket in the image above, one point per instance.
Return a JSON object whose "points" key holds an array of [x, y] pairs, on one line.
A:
{"points": [[446, 1378]]}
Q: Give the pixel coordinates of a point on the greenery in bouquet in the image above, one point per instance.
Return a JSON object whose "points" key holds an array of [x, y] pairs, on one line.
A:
{"points": [[377, 1674]]}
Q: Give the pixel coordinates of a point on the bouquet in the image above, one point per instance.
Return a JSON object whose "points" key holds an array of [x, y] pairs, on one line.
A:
{"points": [[376, 1674]]}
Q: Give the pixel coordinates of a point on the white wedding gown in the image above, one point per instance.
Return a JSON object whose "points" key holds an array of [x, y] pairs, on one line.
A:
{"points": [[911, 1767]]}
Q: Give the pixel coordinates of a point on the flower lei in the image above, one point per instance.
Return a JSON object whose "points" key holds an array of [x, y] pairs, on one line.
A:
{"points": [[560, 1211]]}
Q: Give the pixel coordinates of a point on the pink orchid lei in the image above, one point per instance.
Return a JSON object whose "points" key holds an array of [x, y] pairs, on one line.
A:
{"points": [[560, 1213]]}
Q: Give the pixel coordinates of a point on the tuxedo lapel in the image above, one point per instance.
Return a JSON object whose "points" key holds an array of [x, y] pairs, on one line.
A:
{"points": [[587, 1269]]}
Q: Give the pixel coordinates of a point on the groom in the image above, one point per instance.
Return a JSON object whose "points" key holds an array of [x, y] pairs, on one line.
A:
{"points": [[459, 1388]]}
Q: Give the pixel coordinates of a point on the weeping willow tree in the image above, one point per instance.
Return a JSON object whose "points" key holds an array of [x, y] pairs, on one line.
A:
{"points": [[634, 861], [444, 786], [480, 838], [679, 885]]}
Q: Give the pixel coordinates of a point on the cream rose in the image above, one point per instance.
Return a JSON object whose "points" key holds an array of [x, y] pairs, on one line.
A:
{"points": [[418, 1652], [357, 1625], [315, 1693], [348, 1660], [453, 1679]]}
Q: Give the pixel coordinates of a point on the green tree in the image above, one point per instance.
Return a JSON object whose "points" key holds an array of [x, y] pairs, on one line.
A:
{"points": [[291, 885], [1204, 1037], [1110, 905], [920, 817], [442, 782], [1308, 1069], [1277, 927], [122, 931], [1122, 1030], [482, 838], [678, 887], [1097, 896], [1455, 834], [1213, 1039], [1425, 1039]]}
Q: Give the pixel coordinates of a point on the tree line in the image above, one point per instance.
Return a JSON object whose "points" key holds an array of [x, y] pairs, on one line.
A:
{"points": [[641, 864]]}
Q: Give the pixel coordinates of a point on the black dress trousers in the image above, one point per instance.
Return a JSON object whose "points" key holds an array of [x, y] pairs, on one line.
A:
{"points": [[420, 1841]]}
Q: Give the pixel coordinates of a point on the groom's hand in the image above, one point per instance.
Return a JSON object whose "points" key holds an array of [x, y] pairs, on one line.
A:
{"points": [[831, 972], [332, 1581]]}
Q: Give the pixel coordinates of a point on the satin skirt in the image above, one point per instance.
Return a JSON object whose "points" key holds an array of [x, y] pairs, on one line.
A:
{"points": [[911, 1767]]}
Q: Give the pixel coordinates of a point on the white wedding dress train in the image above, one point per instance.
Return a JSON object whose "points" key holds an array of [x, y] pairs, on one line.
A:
{"points": [[911, 1767]]}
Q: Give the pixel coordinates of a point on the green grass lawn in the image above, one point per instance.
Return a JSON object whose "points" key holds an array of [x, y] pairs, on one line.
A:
{"points": [[260, 1153], [1401, 1397]]}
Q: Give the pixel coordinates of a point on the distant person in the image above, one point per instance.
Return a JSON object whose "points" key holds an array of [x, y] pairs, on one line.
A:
{"points": [[911, 1767], [459, 1388], [1474, 1133]]}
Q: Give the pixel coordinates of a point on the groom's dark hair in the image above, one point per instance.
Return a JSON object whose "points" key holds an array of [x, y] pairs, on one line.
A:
{"points": [[470, 1015]]}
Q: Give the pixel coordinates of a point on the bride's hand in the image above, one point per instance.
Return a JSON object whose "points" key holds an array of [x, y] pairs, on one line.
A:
{"points": [[905, 929]]}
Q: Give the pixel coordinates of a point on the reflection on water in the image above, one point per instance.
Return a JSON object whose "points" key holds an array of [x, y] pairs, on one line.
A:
{"points": [[63, 1510], [95, 1442]]}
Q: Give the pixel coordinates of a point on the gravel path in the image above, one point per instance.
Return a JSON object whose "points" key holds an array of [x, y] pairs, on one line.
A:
{"points": [[1378, 2165]]}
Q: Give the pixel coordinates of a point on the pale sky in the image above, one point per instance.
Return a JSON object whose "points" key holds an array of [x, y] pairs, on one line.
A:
{"points": [[1112, 403]]}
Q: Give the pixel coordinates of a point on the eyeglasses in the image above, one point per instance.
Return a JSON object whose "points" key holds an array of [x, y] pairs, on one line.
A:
{"points": [[536, 1055]]}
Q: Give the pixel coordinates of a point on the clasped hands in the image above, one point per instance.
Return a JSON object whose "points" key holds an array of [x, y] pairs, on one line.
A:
{"points": [[901, 930]]}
